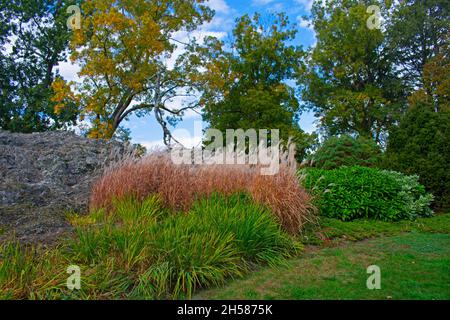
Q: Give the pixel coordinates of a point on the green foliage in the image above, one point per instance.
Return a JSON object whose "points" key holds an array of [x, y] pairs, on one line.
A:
{"points": [[416, 200], [123, 50], [123, 232], [356, 192], [15, 266], [37, 35], [334, 231], [420, 146], [130, 211], [196, 255], [349, 82], [257, 234], [415, 31], [249, 87], [346, 151], [219, 238], [28, 272], [140, 251]]}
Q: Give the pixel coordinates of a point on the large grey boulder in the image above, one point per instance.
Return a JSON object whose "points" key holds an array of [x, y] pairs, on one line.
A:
{"points": [[43, 176]]}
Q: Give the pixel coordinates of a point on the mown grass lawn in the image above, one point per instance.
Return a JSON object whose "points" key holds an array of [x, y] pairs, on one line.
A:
{"points": [[414, 265]]}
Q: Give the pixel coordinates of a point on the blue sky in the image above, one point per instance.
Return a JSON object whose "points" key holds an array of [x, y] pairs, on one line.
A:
{"points": [[148, 132]]}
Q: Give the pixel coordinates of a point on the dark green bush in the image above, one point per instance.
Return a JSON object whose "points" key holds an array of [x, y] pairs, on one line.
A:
{"points": [[421, 146], [346, 151], [358, 192]]}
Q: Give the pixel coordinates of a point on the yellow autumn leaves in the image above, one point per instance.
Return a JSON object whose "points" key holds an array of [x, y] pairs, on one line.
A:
{"points": [[119, 48]]}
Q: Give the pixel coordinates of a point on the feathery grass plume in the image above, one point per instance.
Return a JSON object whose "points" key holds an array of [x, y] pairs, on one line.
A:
{"points": [[180, 185]]}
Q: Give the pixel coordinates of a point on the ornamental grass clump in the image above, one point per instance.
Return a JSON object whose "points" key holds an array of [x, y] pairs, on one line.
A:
{"points": [[179, 186]]}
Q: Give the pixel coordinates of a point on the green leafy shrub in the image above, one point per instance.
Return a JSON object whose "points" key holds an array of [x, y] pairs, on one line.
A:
{"points": [[415, 199], [357, 192], [346, 151]]}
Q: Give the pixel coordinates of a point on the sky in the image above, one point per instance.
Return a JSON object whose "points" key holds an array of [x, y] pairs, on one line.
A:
{"points": [[148, 132]]}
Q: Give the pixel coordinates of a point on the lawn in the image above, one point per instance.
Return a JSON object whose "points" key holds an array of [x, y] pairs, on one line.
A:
{"points": [[414, 260]]}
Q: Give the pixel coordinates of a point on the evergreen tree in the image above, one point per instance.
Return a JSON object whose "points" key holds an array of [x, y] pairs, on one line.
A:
{"points": [[421, 143]]}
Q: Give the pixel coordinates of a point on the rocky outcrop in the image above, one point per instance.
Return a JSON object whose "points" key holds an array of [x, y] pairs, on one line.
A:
{"points": [[44, 176]]}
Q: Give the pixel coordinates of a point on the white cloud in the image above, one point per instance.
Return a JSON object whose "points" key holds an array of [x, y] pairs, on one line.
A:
{"points": [[307, 4], [261, 3], [304, 23], [69, 71], [276, 7], [219, 6], [185, 139], [8, 46]]}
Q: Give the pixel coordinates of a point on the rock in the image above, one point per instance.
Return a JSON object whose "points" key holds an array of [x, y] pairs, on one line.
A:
{"points": [[43, 176]]}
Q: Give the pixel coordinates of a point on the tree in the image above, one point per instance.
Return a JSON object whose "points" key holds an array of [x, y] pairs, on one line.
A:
{"points": [[349, 81], [420, 144], [34, 37], [249, 79], [436, 82], [123, 49], [416, 30]]}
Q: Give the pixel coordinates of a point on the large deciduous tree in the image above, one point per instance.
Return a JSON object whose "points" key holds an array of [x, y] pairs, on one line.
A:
{"points": [[34, 40], [416, 29], [249, 77], [350, 82], [124, 50]]}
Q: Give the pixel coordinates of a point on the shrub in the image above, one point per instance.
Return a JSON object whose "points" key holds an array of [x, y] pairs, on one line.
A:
{"points": [[415, 199], [180, 185], [357, 192], [346, 151], [218, 238]]}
